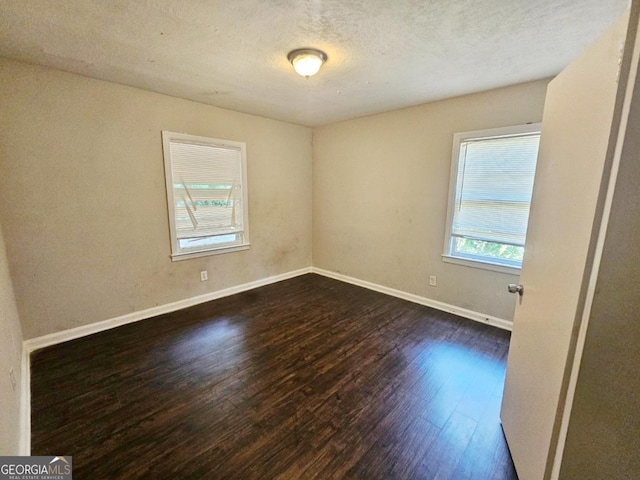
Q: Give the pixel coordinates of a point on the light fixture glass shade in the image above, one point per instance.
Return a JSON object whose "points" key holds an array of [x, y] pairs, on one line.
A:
{"points": [[307, 61]]}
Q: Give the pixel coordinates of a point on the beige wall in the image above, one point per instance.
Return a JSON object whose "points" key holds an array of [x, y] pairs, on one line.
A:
{"points": [[10, 357], [380, 187], [83, 203]]}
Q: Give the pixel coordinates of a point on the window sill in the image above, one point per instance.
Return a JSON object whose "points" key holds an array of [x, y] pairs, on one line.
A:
{"points": [[481, 265], [176, 257]]}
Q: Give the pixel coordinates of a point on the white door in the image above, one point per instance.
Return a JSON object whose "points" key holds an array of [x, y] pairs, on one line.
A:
{"points": [[579, 112]]}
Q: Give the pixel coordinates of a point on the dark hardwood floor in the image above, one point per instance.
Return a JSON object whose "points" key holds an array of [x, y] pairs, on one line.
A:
{"points": [[306, 378]]}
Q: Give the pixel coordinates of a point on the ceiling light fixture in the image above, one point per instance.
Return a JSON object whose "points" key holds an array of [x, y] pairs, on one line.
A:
{"points": [[306, 61]]}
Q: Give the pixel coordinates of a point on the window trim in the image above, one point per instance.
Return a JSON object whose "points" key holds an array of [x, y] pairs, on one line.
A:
{"points": [[176, 253], [458, 138]]}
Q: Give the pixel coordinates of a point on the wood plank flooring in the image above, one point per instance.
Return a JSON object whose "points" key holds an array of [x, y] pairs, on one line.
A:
{"points": [[306, 378]]}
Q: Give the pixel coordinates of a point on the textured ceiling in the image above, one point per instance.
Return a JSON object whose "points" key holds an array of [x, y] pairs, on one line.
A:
{"points": [[383, 55]]}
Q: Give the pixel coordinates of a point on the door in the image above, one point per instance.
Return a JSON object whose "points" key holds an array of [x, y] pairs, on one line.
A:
{"points": [[580, 109]]}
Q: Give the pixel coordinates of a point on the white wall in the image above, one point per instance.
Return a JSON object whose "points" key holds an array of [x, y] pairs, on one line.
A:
{"points": [[380, 187], [10, 357], [83, 202]]}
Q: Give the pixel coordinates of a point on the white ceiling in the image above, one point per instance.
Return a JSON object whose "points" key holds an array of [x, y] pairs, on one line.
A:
{"points": [[383, 55]]}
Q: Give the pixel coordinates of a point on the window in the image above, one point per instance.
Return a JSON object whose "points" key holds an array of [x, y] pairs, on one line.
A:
{"points": [[492, 174], [207, 195]]}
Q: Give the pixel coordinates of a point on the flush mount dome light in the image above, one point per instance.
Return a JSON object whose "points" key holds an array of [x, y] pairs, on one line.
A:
{"points": [[307, 61]]}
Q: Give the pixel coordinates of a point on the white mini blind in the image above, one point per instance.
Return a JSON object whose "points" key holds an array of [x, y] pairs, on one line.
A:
{"points": [[205, 187], [493, 188]]}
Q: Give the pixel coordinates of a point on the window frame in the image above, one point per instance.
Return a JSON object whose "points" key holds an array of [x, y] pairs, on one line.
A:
{"points": [[177, 253], [458, 138]]}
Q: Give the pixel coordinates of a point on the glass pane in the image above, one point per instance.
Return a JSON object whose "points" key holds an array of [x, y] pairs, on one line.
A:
{"points": [[493, 252], [201, 243]]}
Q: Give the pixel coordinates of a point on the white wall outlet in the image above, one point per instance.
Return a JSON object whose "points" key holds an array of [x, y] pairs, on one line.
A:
{"points": [[12, 376], [433, 281], [204, 276]]}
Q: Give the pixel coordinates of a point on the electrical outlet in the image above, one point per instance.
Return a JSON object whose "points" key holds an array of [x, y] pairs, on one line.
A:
{"points": [[204, 276], [433, 281], [12, 376]]}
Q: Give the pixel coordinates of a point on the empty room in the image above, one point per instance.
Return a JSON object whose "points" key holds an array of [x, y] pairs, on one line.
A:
{"points": [[319, 239]]}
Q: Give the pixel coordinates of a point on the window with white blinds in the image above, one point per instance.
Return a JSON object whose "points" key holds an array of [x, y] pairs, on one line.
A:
{"points": [[491, 186], [206, 193]]}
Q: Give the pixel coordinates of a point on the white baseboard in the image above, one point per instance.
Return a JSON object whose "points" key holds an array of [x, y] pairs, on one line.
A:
{"points": [[37, 343], [445, 307], [25, 405], [32, 344]]}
